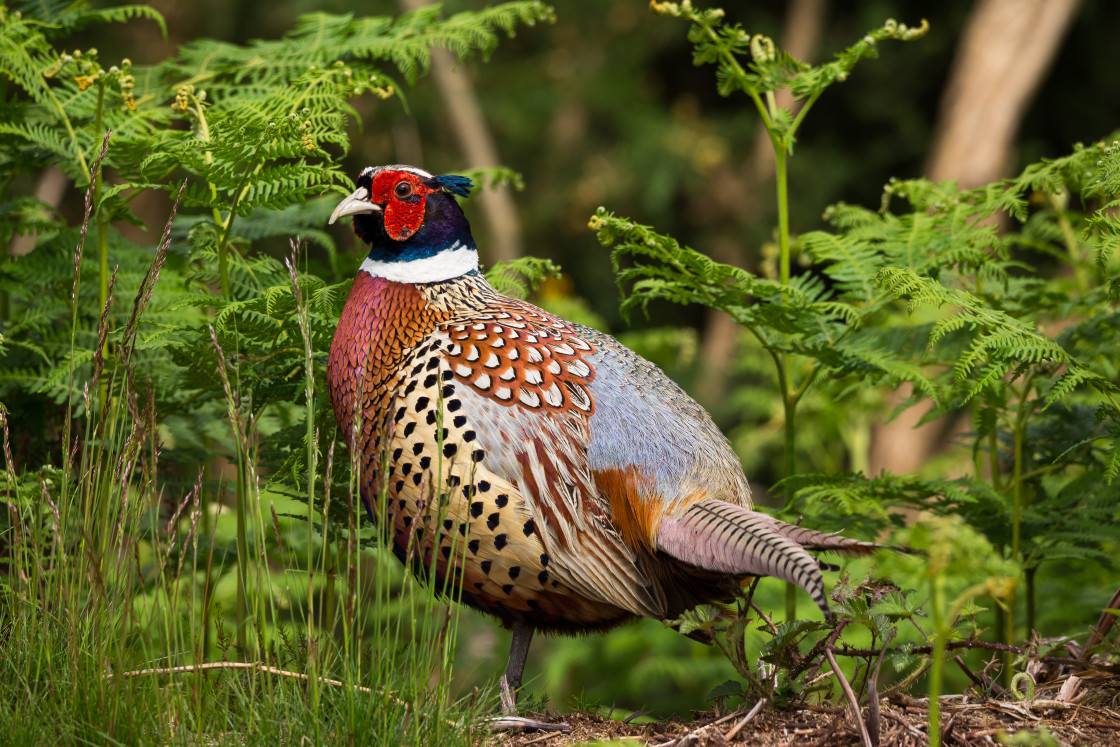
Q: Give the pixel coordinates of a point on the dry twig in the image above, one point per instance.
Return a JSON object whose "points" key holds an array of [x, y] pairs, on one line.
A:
{"points": [[857, 714], [693, 735], [546, 737], [1104, 624], [873, 717], [750, 714]]}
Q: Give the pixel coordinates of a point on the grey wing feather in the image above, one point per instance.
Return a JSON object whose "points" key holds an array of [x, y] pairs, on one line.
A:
{"points": [[643, 419]]}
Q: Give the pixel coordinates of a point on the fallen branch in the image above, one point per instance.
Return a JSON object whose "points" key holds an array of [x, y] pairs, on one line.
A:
{"points": [[501, 723], [253, 665]]}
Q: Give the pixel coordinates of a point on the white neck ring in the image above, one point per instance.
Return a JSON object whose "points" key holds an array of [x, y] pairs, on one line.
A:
{"points": [[450, 263]]}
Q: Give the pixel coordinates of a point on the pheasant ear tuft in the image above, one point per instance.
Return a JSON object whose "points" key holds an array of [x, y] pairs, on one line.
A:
{"points": [[456, 185]]}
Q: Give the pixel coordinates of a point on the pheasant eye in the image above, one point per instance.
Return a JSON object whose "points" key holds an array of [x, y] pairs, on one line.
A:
{"points": [[402, 190]]}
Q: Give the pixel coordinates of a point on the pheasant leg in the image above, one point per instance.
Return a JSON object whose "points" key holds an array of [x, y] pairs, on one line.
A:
{"points": [[511, 680]]}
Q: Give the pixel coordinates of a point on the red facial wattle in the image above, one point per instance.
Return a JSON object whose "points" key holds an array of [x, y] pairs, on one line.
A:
{"points": [[403, 195]]}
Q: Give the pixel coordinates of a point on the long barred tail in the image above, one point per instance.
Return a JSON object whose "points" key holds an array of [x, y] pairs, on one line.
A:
{"points": [[811, 539], [720, 536]]}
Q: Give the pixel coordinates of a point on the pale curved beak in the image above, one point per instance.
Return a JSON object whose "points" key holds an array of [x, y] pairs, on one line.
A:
{"points": [[354, 204]]}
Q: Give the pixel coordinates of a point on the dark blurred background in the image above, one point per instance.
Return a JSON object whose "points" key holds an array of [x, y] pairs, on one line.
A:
{"points": [[577, 108]]}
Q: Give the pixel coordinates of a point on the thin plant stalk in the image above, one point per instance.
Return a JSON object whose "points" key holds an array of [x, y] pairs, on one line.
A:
{"points": [[312, 455], [1019, 434], [781, 142], [237, 426], [102, 223]]}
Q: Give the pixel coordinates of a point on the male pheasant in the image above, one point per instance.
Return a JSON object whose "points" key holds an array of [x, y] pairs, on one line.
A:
{"points": [[562, 480]]}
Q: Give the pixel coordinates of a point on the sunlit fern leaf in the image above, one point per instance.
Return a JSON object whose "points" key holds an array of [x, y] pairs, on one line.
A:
{"points": [[517, 277]]}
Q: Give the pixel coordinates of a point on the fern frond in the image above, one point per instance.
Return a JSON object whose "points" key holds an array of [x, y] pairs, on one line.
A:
{"points": [[517, 277], [80, 17]]}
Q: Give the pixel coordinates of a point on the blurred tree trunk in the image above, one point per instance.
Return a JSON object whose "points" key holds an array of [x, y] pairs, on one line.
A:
{"points": [[477, 145], [800, 32], [1005, 51]]}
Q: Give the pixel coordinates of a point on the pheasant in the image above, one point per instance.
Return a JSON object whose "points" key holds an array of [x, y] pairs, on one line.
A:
{"points": [[561, 481]]}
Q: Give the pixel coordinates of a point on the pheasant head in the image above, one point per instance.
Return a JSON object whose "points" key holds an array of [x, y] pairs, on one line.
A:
{"points": [[415, 229]]}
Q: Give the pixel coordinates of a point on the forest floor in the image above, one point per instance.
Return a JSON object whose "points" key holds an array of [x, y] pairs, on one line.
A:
{"points": [[1086, 713]]}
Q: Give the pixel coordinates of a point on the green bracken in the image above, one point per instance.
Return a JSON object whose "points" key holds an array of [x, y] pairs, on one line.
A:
{"points": [[185, 558]]}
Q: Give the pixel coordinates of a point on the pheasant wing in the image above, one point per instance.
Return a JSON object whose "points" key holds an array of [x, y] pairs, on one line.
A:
{"points": [[527, 396]]}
